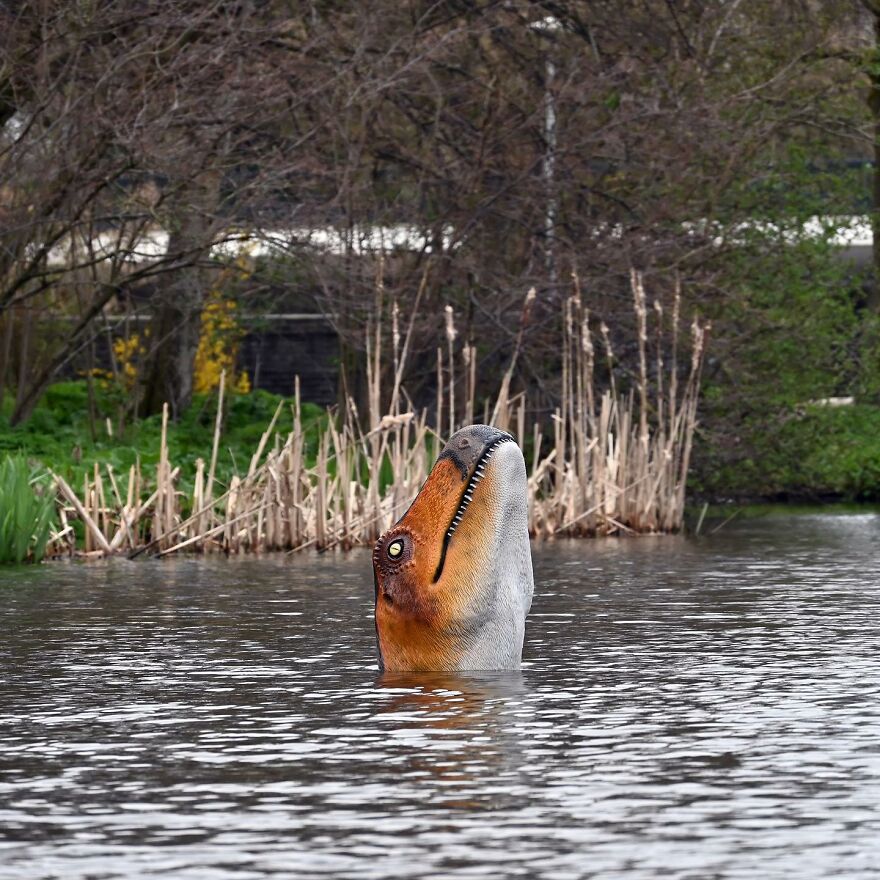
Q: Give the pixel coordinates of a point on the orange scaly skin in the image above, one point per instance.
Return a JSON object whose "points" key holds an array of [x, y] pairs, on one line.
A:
{"points": [[412, 613]]}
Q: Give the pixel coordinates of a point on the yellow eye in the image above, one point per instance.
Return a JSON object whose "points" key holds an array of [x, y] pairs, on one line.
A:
{"points": [[395, 548]]}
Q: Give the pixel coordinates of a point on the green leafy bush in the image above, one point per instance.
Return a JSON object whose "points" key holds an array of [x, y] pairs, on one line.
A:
{"points": [[792, 323], [27, 512], [810, 453], [59, 433]]}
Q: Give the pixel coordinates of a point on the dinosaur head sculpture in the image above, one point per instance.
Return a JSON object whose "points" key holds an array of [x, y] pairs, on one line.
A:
{"points": [[454, 575]]}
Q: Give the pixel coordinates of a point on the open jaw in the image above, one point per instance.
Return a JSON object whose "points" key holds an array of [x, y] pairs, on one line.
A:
{"points": [[476, 475]]}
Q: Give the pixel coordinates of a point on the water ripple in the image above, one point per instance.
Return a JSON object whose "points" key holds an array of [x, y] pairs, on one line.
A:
{"points": [[689, 709]]}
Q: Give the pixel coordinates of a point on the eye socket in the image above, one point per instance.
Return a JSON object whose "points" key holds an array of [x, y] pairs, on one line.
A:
{"points": [[395, 548]]}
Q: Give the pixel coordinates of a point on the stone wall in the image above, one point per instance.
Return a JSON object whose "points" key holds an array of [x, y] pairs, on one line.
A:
{"points": [[282, 346]]}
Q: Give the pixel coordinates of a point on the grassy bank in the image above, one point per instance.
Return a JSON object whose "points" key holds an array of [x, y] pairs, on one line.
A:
{"points": [[811, 454], [319, 478], [62, 435]]}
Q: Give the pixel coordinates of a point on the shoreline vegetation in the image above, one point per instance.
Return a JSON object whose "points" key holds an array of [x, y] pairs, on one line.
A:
{"points": [[614, 461]]}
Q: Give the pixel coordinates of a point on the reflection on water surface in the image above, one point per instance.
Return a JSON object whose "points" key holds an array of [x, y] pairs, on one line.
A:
{"points": [[687, 709]]}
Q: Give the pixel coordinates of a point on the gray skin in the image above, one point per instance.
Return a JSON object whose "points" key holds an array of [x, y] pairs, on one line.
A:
{"points": [[506, 582]]}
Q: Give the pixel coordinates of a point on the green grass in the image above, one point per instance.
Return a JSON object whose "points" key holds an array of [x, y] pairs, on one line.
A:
{"points": [[27, 511], [58, 434]]}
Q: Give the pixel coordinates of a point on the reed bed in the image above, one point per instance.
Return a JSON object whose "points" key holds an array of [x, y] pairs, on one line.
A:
{"points": [[612, 462]]}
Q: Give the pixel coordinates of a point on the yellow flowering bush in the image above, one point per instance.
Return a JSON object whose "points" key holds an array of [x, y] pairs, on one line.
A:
{"points": [[220, 337], [128, 351], [219, 342]]}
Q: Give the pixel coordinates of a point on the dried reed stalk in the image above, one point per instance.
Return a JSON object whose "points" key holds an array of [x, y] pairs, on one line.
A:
{"points": [[614, 463]]}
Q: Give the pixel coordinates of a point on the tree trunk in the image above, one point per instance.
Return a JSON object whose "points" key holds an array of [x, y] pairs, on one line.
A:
{"points": [[5, 351], [28, 397], [23, 361], [178, 308], [874, 105]]}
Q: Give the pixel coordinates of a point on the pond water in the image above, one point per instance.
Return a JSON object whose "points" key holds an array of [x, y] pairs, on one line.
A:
{"points": [[688, 708]]}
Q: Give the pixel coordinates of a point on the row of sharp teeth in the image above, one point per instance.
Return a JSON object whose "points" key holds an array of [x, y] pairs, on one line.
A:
{"points": [[475, 479]]}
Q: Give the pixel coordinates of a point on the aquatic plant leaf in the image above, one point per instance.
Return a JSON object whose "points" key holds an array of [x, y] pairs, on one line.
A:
{"points": [[27, 512]]}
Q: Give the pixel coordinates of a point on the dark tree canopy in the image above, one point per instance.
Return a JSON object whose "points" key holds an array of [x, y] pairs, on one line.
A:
{"points": [[518, 142]]}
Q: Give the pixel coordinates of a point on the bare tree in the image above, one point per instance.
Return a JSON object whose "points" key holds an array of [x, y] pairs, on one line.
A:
{"points": [[515, 143], [103, 101]]}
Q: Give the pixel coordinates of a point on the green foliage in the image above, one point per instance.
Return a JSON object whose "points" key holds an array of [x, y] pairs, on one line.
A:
{"points": [[59, 433], [27, 512], [796, 187], [791, 327], [868, 354], [817, 453]]}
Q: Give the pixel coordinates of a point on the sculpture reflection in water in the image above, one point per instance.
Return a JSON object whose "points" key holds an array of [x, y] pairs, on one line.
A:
{"points": [[456, 729]]}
